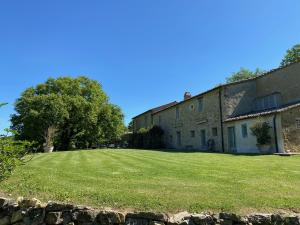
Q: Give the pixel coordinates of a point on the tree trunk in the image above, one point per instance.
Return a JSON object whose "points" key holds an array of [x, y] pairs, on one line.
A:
{"points": [[49, 139]]}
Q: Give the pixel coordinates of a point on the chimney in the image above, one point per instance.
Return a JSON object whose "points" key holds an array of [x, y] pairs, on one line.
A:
{"points": [[187, 95]]}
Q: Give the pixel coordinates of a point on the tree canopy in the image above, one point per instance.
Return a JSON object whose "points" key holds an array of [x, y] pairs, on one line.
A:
{"points": [[244, 74], [130, 126], [292, 55], [67, 113]]}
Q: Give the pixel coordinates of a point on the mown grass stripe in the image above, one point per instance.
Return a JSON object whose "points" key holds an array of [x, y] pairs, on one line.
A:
{"points": [[161, 181]]}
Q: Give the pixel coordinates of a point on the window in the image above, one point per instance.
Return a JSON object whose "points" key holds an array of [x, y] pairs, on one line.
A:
{"points": [[151, 119], [192, 134], [215, 131], [178, 134], [244, 130], [177, 113], [159, 120], [192, 107], [200, 104], [171, 139], [267, 102], [298, 123], [146, 120]]}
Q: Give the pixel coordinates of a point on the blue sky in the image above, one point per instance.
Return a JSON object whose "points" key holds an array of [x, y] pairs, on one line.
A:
{"points": [[144, 53]]}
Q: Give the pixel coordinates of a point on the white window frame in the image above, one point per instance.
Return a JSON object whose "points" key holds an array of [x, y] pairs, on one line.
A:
{"points": [[244, 126]]}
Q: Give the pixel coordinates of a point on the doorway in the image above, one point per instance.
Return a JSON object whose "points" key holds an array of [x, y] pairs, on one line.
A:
{"points": [[231, 139]]}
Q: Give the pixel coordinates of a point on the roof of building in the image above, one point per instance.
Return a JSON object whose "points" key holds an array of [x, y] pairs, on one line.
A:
{"points": [[218, 87], [158, 109], [263, 113]]}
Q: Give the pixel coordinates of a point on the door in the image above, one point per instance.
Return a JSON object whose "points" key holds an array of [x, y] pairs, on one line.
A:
{"points": [[203, 138], [178, 134], [231, 139]]}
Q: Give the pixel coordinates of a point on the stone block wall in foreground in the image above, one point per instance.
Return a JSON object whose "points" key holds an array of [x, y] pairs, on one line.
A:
{"points": [[32, 212]]}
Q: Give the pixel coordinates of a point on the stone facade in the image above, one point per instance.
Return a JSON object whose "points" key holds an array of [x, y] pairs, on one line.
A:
{"points": [[32, 212], [143, 121], [290, 121], [285, 81], [248, 102], [193, 120]]}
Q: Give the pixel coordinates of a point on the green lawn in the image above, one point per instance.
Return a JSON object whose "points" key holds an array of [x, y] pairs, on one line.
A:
{"points": [[161, 181]]}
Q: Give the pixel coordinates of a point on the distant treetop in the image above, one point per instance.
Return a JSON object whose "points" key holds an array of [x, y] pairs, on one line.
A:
{"points": [[244, 74], [292, 55]]}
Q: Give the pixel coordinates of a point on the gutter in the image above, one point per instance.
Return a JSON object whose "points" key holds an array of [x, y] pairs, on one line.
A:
{"points": [[275, 133], [221, 119]]}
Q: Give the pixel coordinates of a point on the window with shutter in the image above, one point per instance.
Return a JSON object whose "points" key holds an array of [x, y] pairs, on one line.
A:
{"points": [[267, 102]]}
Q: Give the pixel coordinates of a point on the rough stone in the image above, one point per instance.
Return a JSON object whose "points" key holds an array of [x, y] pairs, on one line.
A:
{"points": [[19, 223], [292, 220], [4, 202], [179, 218], [28, 203], [186, 222], [34, 216], [202, 219], [136, 221], [149, 216], [260, 219], [54, 218], [231, 218], [86, 216], [55, 207], [225, 222], [5, 220], [17, 216], [110, 218], [277, 219], [68, 217], [156, 223]]}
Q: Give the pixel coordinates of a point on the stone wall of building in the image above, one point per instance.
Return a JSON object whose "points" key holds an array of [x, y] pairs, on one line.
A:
{"points": [[32, 212], [285, 81], [192, 122], [238, 98], [142, 121], [291, 129]]}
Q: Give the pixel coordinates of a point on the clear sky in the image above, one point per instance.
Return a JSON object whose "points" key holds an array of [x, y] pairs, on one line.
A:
{"points": [[144, 52]]}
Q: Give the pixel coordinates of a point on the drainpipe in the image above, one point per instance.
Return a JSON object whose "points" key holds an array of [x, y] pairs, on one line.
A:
{"points": [[275, 133], [221, 119]]}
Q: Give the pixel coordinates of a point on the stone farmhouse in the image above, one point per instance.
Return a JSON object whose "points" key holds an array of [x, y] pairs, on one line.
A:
{"points": [[220, 118]]}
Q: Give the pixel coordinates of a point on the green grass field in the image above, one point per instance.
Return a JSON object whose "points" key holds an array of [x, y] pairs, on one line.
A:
{"points": [[161, 181]]}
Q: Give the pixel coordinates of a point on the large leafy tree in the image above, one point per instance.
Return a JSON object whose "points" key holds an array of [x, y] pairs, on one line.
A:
{"points": [[244, 74], [66, 113], [292, 55]]}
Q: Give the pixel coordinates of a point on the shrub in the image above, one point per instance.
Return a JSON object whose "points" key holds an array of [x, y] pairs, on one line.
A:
{"points": [[148, 138], [261, 131], [12, 153]]}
